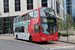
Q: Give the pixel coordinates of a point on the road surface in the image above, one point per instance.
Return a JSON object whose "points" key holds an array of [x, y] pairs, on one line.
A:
{"points": [[9, 43], [15, 45]]}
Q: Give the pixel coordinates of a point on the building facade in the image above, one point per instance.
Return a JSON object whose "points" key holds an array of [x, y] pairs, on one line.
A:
{"points": [[13, 8], [73, 9], [67, 7], [70, 8]]}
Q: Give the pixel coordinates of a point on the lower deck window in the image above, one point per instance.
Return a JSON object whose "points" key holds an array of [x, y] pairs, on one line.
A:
{"points": [[37, 28], [19, 29]]}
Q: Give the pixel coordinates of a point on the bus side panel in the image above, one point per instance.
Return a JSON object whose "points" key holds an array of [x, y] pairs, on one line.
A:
{"points": [[31, 29], [36, 36], [34, 21]]}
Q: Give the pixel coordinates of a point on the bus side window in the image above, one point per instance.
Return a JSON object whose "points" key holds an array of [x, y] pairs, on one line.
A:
{"points": [[19, 19], [16, 29], [22, 18], [37, 28], [19, 29], [35, 13], [30, 15], [22, 29], [14, 20], [26, 16]]}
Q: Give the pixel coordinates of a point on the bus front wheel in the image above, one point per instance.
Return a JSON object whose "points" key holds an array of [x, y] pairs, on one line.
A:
{"points": [[30, 39]]}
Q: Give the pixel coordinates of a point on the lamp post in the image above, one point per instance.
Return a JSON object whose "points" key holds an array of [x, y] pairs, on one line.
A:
{"points": [[9, 20], [67, 27]]}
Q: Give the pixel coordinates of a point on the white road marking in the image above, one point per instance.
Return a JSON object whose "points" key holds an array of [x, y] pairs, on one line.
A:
{"points": [[43, 47], [38, 45], [71, 47], [32, 43], [19, 41]]}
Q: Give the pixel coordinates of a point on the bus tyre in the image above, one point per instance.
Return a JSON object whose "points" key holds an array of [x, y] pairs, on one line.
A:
{"points": [[17, 37], [30, 39]]}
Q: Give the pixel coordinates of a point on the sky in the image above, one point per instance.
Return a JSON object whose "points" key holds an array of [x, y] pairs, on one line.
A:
{"points": [[65, 8]]}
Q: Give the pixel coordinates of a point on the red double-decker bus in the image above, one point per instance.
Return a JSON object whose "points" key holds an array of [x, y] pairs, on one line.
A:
{"points": [[39, 25]]}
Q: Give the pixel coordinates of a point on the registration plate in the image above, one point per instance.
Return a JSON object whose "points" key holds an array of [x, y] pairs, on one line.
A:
{"points": [[49, 40]]}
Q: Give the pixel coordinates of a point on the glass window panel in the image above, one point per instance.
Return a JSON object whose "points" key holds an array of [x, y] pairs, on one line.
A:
{"points": [[44, 0], [37, 30], [30, 15], [47, 12], [15, 20], [58, 10], [6, 6], [31, 1], [35, 13], [19, 19], [22, 19], [17, 5], [44, 4], [29, 7], [6, 10], [28, 1], [26, 16], [29, 4], [22, 29], [6, 1]]}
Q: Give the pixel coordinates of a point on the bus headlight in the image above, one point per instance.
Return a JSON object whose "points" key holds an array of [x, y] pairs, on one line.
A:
{"points": [[56, 38], [43, 38]]}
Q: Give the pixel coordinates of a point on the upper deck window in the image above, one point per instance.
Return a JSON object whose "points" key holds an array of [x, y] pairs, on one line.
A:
{"points": [[19, 19], [30, 15], [47, 12], [26, 16], [22, 18], [35, 13], [15, 20]]}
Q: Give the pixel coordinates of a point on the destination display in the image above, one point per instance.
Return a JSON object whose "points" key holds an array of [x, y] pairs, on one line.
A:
{"points": [[45, 20], [48, 20]]}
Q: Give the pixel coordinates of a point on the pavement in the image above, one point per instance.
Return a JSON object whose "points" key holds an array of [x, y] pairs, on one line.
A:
{"points": [[52, 45], [71, 39]]}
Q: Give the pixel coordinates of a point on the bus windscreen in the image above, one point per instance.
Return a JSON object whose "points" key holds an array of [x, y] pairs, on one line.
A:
{"points": [[49, 29], [48, 21], [47, 12]]}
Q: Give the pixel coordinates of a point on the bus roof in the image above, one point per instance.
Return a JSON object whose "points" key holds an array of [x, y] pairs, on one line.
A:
{"points": [[38, 8]]}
